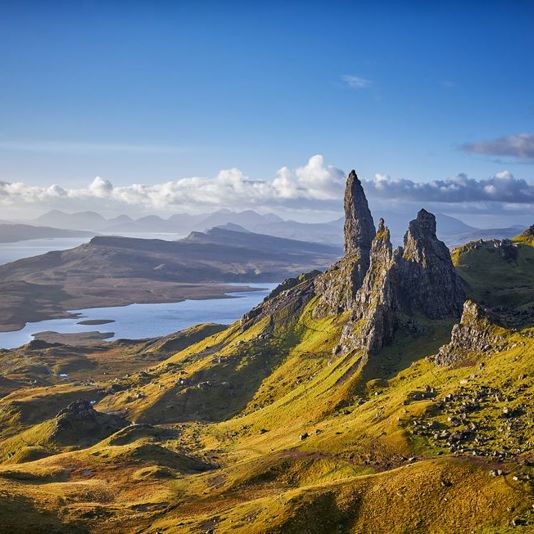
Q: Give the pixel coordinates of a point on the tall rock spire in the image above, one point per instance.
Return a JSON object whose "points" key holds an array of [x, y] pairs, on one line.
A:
{"points": [[337, 287], [359, 225], [376, 300]]}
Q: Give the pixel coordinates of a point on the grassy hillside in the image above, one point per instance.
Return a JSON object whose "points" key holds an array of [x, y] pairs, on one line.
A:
{"points": [[499, 274], [262, 427]]}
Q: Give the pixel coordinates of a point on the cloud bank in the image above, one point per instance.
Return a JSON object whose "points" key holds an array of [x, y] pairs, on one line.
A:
{"points": [[502, 188], [520, 146], [313, 186], [315, 182]]}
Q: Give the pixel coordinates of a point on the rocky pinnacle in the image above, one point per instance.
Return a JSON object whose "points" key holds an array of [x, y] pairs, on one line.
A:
{"points": [[359, 225], [428, 281]]}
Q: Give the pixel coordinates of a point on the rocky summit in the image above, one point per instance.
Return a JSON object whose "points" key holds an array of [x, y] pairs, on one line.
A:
{"points": [[391, 393], [359, 227]]}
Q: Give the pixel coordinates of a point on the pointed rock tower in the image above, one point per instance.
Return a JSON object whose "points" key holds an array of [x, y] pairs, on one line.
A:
{"points": [[417, 280], [376, 284], [338, 286], [376, 301], [375, 288], [359, 225]]}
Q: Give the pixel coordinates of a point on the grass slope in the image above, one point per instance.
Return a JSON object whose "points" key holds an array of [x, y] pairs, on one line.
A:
{"points": [[260, 428]]}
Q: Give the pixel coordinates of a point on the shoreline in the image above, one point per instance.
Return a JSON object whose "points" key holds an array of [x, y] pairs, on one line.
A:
{"points": [[189, 291]]}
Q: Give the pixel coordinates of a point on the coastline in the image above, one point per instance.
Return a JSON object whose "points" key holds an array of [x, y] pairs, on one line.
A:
{"points": [[177, 293]]}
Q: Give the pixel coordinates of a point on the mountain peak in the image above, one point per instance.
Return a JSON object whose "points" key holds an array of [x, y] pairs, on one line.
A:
{"points": [[424, 223], [359, 225]]}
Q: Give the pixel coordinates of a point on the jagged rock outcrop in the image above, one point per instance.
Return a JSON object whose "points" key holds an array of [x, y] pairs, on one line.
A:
{"points": [[428, 282], [418, 279], [338, 286], [372, 283], [80, 424], [526, 238], [374, 320], [477, 332], [529, 232]]}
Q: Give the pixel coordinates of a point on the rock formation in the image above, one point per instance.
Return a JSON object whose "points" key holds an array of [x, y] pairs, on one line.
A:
{"points": [[529, 232], [359, 226], [372, 284], [338, 286], [374, 320], [477, 332], [79, 423], [289, 297], [428, 282]]}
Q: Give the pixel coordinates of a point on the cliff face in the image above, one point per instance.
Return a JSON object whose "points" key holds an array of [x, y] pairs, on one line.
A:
{"points": [[477, 332], [373, 318], [359, 226]]}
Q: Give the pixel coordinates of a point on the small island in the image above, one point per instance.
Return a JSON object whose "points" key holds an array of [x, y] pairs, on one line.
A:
{"points": [[76, 340], [95, 322]]}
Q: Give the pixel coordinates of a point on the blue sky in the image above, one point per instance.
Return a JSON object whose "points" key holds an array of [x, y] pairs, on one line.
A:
{"points": [[150, 92]]}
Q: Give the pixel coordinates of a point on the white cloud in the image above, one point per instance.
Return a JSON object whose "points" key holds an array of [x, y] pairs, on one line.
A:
{"points": [[231, 188], [503, 187], [356, 82], [314, 186], [319, 181], [100, 187]]}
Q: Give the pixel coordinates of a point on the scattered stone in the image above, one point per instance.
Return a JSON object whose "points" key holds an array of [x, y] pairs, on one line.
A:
{"points": [[518, 521]]}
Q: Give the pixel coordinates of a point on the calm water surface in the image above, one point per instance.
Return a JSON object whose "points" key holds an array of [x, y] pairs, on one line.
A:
{"points": [[138, 321]]}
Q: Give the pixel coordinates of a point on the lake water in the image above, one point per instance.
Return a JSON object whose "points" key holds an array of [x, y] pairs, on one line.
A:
{"points": [[138, 321]]}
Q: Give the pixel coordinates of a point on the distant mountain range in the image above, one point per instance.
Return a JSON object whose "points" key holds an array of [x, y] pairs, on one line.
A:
{"points": [[180, 223], [450, 229]]}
